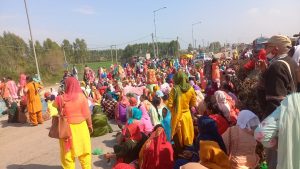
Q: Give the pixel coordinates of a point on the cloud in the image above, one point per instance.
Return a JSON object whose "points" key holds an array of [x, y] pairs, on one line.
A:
{"points": [[274, 11], [85, 10], [253, 11]]}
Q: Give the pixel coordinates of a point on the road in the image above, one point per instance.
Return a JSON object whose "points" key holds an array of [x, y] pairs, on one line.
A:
{"points": [[26, 147]]}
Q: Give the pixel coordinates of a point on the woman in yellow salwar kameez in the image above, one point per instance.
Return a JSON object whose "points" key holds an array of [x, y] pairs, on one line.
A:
{"points": [[182, 98], [78, 115]]}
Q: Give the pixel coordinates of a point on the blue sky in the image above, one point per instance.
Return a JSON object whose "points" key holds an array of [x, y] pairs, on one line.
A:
{"points": [[105, 22]]}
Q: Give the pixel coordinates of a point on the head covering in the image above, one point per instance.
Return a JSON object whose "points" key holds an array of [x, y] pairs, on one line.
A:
{"points": [[123, 166], [124, 100], [97, 110], [208, 131], [222, 103], [193, 165], [181, 85], [47, 94], [280, 41], [166, 123], [283, 125], [296, 55], [156, 152], [134, 132], [159, 93], [180, 79], [109, 96], [133, 101], [136, 115], [247, 119], [72, 89], [146, 91], [195, 86]]}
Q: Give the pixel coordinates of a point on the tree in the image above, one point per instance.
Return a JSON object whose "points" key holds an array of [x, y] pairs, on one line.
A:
{"points": [[190, 48], [13, 52], [80, 50], [215, 47], [68, 48]]}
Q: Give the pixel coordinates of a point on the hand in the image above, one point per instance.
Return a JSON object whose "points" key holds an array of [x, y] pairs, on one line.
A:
{"points": [[107, 156], [91, 129], [262, 65], [187, 154]]}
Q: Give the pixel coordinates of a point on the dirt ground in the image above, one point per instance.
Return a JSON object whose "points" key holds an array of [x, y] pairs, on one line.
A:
{"points": [[26, 147]]}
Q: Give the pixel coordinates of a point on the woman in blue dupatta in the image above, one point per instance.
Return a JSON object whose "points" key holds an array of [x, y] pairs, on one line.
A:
{"points": [[166, 122], [208, 131]]}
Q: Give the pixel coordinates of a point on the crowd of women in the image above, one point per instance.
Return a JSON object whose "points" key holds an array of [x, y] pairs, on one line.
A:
{"points": [[181, 114]]}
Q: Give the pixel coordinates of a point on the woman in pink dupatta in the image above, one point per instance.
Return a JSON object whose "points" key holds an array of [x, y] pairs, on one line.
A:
{"points": [[12, 87], [145, 116]]}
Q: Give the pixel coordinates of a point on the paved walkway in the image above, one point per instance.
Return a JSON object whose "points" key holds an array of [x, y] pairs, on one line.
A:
{"points": [[26, 147]]}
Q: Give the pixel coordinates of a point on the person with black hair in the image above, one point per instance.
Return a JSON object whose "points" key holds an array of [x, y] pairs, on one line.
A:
{"points": [[34, 104]]}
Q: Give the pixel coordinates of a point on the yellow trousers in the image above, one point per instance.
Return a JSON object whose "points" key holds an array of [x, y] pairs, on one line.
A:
{"points": [[81, 148], [68, 161]]}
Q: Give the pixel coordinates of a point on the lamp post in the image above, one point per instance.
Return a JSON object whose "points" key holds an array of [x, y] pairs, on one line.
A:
{"points": [[193, 42], [34, 53], [155, 27]]}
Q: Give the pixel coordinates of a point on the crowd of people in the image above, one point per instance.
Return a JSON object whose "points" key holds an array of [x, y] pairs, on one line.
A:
{"points": [[180, 113]]}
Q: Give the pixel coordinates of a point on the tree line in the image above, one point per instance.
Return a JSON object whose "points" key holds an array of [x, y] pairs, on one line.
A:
{"points": [[17, 56]]}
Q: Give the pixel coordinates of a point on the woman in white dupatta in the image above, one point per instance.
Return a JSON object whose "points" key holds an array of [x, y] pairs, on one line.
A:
{"points": [[281, 130]]}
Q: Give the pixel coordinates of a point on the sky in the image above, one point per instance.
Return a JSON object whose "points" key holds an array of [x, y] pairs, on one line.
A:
{"points": [[107, 22]]}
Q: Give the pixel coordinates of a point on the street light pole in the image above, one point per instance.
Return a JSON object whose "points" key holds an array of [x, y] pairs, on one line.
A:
{"points": [[155, 27], [111, 54], [193, 41], [34, 53]]}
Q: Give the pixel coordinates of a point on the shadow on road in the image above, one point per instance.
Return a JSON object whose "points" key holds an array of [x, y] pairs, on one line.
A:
{"points": [[109, 143], [103, 162], [32, 166], [4, 124]]}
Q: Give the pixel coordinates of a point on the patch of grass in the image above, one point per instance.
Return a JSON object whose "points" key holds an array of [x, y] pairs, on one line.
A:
{"points": [[92, 65]]}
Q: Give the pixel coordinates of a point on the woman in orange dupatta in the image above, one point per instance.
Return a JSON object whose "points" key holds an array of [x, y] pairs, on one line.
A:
{"points": [[157, 152], [78, 115]]}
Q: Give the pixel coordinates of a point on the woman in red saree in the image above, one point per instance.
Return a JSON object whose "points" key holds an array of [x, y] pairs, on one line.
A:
{"points": [[157, 152]]}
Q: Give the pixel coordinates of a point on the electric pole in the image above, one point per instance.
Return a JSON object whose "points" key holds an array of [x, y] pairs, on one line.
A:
{"points": [[154, 51]]}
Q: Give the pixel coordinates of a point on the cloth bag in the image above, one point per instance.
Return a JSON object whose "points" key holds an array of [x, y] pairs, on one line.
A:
{"points": [[60, 128]]}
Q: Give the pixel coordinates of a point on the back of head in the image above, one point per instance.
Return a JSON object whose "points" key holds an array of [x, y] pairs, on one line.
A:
{"points": [[283, 43], [29, 79]]}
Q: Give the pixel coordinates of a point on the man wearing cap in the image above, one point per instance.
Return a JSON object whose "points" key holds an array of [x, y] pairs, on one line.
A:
{"points": [[279, 80]]}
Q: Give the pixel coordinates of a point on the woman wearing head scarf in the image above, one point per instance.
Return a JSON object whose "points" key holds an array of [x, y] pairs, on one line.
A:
{"points": [[145, 116], [212, 151], [96, 95], [109, 105], [240, 143], [121, 111], [280, 131], [77, 112], [227, 105], [128, 151], [135, 117], [100, 123], [207, 129], [212, 110], [166, 122], [182, 98], [157, 152]]}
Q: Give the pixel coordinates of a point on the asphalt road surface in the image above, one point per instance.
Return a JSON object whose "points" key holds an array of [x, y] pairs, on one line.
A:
{"points": [[26, 147]]}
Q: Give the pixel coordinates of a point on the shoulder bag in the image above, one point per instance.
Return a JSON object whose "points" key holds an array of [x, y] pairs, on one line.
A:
{"points": [[60, 128]]}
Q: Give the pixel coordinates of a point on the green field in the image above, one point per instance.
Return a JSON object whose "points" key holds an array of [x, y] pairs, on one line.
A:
{"points": [[93, 65]]}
